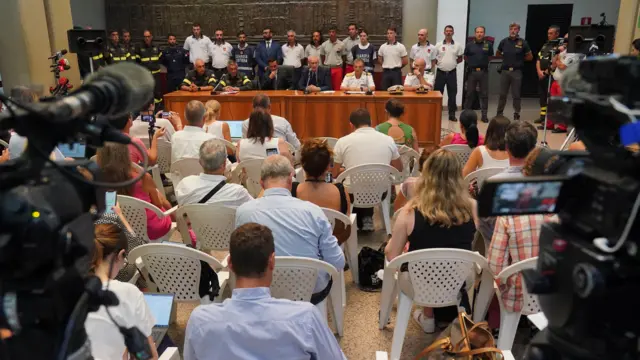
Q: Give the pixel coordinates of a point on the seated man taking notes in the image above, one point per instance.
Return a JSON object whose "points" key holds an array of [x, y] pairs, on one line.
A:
{"points": [[315, 78], [358, 80], [198, 79]]}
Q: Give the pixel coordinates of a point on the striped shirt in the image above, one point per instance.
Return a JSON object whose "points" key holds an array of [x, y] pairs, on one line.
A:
{"points": [[515, 239]]}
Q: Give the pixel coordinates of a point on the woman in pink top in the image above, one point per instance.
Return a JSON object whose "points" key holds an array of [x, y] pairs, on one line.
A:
{"points": [[468, 134], [116, 166]]}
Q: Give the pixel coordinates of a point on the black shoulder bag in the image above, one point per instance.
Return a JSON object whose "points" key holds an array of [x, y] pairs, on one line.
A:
{"points": [[209, 284]]}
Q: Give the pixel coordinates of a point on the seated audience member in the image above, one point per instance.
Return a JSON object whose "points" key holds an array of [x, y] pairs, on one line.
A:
{"points": [[281, 127], [300, 227], [234, 80], [364, 146], [408, 187], [116, 166], [192, 189], [401, 133], [493, 153], [132, 310], [315, 78], [199, 79], [316, 160], [124, 123], [140, 126], [468, 134], [185, 144], [440, 215], [274, 79], [358, 80], [418, 77], [252, 324], [260, 141], [219, 129]]}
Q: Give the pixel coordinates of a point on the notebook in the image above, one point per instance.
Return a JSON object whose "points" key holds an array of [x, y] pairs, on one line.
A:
{"points": [[162, 308], [235, 127]]}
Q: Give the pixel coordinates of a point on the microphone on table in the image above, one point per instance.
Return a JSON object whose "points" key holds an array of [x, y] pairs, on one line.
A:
{"points": [[306, 88], [214, 92], [366, 76]]}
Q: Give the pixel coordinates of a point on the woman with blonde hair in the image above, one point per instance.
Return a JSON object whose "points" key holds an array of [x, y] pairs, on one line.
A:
{"points": [[441, 214], [219, 129]]}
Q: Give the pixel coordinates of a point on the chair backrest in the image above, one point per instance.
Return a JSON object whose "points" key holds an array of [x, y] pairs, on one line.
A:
{"points": [[462, 151], [294, 152], [212, 224], [184, 167], [334, 215], [481, 175], [4, 143], [437, 275], [368, 183], [174, 268], [134, 211], [531, 303], [294, 278], [410, 159], [227, 143], [252, 169], [164, 156], [331, 141]]}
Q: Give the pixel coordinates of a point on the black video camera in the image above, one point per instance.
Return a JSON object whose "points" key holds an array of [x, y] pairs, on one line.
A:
{"points": [[588, 271]]}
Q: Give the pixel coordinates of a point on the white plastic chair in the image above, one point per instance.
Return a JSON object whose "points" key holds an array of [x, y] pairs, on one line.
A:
{"points": [[351, 245], [331, 141], [155, 175], [184, 167], [134, 211], [171, 353], [164, 156], [300, 177], [212, 224], [175, 269], [226, 143], [252, 168], [462, 152], [437, 276], [408, 156], [368, 183], [294, 152], [4, 143], [509, 320], [481, 175]]}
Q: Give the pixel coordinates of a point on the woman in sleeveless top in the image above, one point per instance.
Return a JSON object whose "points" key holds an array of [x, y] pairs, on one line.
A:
{"points": [[316, 158], [401, 133], [260, 142], [217, 128], [440, 215], [113, 159], [493, 153], [468, 134]]}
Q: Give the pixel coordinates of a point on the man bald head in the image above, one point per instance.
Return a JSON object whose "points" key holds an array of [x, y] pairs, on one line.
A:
{"points": [[423, 34], [313, 63], [199, 65], [420, 64]]}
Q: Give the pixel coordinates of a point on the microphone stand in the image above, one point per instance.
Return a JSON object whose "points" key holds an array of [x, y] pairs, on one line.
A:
{"points": [[306, 88], [214, 92], [366, 76]]}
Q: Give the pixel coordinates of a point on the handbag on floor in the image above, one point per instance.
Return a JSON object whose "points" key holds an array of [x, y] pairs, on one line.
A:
{"points": [[369, 262], [463, 340]]}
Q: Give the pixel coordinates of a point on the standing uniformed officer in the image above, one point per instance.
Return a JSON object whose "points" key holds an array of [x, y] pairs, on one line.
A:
{"points": [[477, 54], [514, 51], [148, 55], [127, 44], [543, 67], [176, 59], [243, 55], [234, 80], [448, 56], [199, 79], [115, 51]]}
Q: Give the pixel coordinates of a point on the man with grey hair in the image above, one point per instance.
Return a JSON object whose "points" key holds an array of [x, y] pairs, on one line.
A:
{"points": [[299, 228], [293, 55], [281, 127], [186, 143], [210, 186]]}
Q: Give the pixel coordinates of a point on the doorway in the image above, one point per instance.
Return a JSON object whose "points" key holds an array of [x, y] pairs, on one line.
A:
{"points": [[539, 18]]}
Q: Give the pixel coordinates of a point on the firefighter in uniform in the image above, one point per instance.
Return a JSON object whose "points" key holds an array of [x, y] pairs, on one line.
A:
{"points": [[199, 79], [234, 80], [176, 59], [358, 80], [116, 52], [514, 51], [477, 54], [544, 69], [148, 55]]}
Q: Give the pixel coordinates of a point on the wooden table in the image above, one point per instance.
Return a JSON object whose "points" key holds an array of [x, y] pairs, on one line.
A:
{"points": [[316, 115]]}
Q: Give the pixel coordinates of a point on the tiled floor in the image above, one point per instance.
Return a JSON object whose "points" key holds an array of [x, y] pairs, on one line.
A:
{"points": [[361, 335]]}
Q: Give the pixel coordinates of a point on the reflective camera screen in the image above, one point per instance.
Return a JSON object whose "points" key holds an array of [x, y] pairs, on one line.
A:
{"points": [[525, 198]]}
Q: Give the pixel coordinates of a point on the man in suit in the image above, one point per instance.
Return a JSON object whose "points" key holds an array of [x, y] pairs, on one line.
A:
{"points": [[266, 49], [274, 79], [315, 78]]}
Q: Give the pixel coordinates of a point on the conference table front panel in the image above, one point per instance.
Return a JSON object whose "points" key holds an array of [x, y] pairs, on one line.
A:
{"points": [[325, 114]]}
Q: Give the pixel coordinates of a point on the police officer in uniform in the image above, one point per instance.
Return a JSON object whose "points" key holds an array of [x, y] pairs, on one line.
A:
{"points": [[543, 67], [358, 80], [115, 51], [176, 59], [234, 80], [514, 51], [199, 79], [148, 55], [127, 44], [243, 55], [477, 54]]}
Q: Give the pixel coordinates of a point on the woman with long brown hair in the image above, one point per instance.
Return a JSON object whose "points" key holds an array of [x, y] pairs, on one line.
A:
{"points": [[260, 142], [440, 215]]}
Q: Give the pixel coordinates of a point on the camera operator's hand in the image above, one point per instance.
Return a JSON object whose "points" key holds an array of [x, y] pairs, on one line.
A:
{"points": [[175, 120], [5, 156]]}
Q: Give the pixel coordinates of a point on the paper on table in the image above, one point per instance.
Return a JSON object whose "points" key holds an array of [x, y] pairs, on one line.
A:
{"points": [[229, 92], [328, 92], [354, 92]]}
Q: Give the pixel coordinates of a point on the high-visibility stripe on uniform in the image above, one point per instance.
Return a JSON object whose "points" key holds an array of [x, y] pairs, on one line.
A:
{"points": [[97, 57], [145, 59], [211, 80], [155, 71], [186, 81], [157, 100], [246, 80], [543, 110], [155, 58], [223, 83]]}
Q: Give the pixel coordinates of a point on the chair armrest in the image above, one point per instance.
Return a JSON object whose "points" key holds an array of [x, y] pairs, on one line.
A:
{"points": [[170, 211], [225, 262], [353, 218], [171, 353]]}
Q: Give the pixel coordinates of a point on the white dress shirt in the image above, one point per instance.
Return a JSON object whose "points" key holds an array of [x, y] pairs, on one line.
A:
{"points": [[195, 187], [198, 48], [186, 143], [292, 56], [220, 55], [281, 129], [447, 55], [426, 52], [365, 146], [140, 129], [392, 55]]}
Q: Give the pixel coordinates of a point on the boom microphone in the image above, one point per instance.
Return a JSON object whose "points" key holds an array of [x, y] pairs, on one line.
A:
{"points": [[58, 54]]}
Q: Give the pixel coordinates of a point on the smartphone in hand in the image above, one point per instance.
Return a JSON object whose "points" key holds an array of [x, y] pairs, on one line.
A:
{"points": [[109, 201]]}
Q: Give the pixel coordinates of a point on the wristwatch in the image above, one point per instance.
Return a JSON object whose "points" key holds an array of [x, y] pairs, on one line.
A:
{"points": [[198, 88]]}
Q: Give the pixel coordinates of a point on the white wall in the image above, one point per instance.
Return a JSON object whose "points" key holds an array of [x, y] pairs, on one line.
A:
{"points": [[454, 13], [496, 15], [89, 13]]}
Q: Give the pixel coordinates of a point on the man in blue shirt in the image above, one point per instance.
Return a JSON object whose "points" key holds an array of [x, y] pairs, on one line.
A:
{"points": [[266, 49], [252, 324], [300, 227], [243, 54]]}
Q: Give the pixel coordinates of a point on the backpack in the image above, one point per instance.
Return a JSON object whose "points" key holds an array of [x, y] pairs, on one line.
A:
{"points": [[369, 262]]}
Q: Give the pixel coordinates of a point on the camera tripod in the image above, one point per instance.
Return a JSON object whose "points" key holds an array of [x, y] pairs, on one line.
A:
{"points": [[543, 142]]}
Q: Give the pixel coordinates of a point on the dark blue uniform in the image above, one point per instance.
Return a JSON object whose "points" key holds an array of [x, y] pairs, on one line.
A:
{"points": [[513, 53], [477, 54], [245, 59], [176, 59]]}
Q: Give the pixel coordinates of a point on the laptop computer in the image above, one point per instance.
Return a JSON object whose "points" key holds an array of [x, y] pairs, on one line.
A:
{"points": [[235, 127], [76, 150], [163, 309]]}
